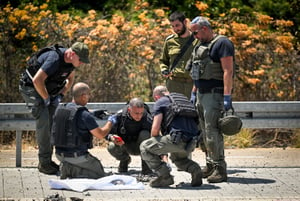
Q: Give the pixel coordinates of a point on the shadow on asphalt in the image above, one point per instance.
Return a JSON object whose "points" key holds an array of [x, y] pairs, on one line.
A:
{"points": [[240, 180], [203, 186], [235, 171]]}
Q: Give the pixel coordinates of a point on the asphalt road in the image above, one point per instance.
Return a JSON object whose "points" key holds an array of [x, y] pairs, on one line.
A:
{"points": [[253, 174]]}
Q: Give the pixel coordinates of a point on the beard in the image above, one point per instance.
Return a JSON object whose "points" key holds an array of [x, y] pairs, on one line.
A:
{"points": [[182, 31]]}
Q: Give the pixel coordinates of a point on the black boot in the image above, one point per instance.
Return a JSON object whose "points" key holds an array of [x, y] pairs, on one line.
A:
{"points": [[123, 166], [145, 168], [219, 175], [162, 181], [48, 168], [208, 170], [196, 173]]}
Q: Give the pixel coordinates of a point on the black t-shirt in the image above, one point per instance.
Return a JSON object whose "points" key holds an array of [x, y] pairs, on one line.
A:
{"points": [[184, 124], [51, 61], [128, 128]]}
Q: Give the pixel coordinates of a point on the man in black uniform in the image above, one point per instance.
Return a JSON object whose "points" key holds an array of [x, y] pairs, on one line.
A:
{"points": [[133, 126], [72, 134], [173, 131], [48, 77]]}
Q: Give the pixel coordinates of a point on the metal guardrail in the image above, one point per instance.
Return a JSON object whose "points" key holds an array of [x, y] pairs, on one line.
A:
{"points": [[256, 114]]}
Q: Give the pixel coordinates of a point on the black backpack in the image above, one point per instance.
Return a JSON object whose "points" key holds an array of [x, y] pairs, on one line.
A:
{"points": [[180, 106]]}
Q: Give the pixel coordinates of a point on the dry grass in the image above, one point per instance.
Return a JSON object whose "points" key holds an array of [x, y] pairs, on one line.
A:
{"points": [[245, 139]]}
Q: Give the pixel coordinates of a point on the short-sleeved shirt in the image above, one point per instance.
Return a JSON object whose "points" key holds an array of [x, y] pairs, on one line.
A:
{"points": [[50, 61], [85, 123], [185, 124]]}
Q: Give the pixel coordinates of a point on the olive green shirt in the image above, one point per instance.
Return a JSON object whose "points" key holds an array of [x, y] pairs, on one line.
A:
{"points": [[171, 49]]}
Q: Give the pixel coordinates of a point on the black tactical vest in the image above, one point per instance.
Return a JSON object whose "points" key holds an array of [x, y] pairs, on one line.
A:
{"points": [[64, 130], [56, 82], [180, 106]]}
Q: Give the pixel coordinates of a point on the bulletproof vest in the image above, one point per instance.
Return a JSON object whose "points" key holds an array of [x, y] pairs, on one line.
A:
{"points": [[179, 106], [203, 67], [132, 126], [56, 82], [64, 129]]}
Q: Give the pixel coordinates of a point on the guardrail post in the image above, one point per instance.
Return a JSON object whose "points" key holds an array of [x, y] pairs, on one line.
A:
{"points": [[18, 148]]}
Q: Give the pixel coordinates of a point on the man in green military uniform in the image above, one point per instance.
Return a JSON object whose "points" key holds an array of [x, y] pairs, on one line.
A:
{"points": [[172, 61]]}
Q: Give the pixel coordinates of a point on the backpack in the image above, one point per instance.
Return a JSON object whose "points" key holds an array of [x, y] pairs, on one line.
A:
{"points": [[180, 106]]}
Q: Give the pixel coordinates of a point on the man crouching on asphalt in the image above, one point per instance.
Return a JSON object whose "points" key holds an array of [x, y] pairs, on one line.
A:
{"points": [[179, 137]]}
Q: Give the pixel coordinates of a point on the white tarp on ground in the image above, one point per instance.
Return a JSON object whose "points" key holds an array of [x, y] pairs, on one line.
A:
{"points": [[113, 182]]}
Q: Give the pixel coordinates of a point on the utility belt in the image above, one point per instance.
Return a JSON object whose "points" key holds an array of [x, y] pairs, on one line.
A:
{"points": [[72, 155], [219, 90], [179, 136]]}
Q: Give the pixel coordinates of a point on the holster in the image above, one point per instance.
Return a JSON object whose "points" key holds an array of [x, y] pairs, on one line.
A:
{"points": [[176, 137]]}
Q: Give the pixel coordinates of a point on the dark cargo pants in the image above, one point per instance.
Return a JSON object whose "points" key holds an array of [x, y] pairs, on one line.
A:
{"points": [[43, 116]]}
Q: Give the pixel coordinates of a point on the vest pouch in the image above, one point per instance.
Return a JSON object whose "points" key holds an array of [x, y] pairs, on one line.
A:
{"points": [[197, 70], [202, 52], [176, 137], [213, 70]]}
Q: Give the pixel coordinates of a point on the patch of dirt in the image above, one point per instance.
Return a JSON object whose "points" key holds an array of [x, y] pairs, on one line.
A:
{"points": [[267, 138]]}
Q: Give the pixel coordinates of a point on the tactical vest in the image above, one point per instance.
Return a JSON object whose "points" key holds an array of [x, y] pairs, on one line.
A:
{"points": [[120, 129], [54, 83], [64, 130], [203, 67], [180, 106]]}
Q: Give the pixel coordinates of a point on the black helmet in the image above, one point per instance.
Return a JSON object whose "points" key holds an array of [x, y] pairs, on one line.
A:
{"points": [[230, 124]]}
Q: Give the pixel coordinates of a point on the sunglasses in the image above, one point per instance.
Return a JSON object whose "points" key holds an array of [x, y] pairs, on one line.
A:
{"points": [[195, 32]]}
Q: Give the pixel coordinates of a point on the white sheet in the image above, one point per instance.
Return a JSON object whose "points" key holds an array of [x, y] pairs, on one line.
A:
{"points": [[113, 182]]}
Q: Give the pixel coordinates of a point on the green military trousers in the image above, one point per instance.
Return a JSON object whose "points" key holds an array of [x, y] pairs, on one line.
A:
{"points": [[210, 107], [153, 148]]}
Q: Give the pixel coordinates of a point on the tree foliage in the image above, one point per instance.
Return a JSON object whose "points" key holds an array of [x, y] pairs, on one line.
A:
{"points": [[126, 45]]}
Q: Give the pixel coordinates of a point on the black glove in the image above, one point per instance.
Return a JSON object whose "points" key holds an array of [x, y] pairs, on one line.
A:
{"points": [[165, 72], [100, 114], [56, 100]]}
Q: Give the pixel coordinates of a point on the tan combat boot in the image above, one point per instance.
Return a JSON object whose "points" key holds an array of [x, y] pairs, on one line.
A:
{"points": [[208, 170], [219, 175]]}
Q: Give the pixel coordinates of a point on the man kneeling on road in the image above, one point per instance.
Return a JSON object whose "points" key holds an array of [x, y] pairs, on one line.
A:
{"points": [[72, 134], [133, 127], [179, 137]]}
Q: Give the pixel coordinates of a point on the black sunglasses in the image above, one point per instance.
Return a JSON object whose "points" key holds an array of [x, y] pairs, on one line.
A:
{"points": [[195, 32]]}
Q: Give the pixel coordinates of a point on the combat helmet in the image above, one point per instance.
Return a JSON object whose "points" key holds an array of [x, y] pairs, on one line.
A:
{"points": [[230, 124]]}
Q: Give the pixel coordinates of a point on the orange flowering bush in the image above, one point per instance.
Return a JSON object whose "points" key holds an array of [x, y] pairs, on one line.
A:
{"points": [[267, 59], [125, 50]]}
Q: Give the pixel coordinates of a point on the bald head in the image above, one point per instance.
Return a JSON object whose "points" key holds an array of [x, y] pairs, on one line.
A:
{"points": [[80, 89], [160, 91]]}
